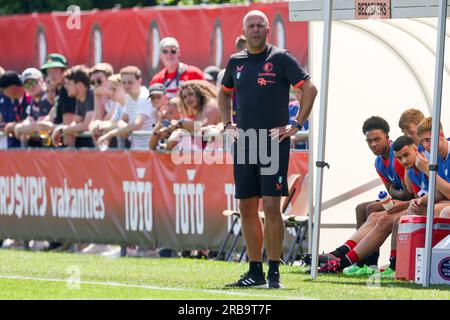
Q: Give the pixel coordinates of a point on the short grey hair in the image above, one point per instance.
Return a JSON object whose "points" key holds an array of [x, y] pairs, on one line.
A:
{"points": [[256, 13]]}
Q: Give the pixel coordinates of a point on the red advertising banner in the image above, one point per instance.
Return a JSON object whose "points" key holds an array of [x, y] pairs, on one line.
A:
{"points": [[131, 36], [126, 197]]}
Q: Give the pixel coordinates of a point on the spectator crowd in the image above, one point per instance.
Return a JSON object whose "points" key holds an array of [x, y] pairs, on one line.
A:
{"points": [[61, 106], [76, 106]]}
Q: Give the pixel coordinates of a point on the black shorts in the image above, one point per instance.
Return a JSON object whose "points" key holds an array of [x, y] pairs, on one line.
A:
{"points": [[252, 180]]}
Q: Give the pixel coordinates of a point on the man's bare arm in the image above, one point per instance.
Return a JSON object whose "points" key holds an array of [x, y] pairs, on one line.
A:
{"points": [[305, 95], [224, 100]]}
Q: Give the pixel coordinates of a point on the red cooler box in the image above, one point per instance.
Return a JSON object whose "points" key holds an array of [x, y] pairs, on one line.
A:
{"points": [[411, 235]]}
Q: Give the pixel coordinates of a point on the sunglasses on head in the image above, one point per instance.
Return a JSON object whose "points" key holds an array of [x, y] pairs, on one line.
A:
{"points": [[97, 82], [167, 51]]}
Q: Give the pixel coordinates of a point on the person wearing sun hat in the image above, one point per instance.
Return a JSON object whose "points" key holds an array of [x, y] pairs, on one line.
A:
{"points": [[54, 67], [63, 111], [54, 60]]}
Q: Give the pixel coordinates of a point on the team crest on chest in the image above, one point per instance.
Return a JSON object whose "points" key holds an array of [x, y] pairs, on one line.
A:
{"points": [[267, 72], [268, 66]]}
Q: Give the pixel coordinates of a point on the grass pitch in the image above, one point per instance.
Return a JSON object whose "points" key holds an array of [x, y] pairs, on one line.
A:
{"points": [[43, 275]]}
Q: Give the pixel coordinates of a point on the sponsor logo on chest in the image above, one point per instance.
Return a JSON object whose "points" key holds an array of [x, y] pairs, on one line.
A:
{"points": [[267, 75]]}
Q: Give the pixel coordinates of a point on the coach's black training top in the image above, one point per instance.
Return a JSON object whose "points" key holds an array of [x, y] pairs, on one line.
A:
{"points": [[262, 83]]}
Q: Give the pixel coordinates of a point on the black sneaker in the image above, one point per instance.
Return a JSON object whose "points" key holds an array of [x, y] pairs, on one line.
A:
{"points": [[248, 280], [323, 258], [273, 281]]}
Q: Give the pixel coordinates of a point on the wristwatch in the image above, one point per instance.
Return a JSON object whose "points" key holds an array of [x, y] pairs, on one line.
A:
{"points": [[296, 124]]}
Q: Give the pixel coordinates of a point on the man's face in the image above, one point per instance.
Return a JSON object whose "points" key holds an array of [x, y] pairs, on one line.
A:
{"points": [[407, 156], [100, 82], [170, 56], [411, 131], [14, 92], [172, 112], [33, 86], [50, 91], [159, 100], [71, 88], [130, 83], [117, 91], [255, 31], [425, 140], [55, 76], [377, 140]]}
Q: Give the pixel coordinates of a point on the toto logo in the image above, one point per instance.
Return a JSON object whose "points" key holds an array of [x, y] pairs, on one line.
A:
{"points": [[444, 268]]}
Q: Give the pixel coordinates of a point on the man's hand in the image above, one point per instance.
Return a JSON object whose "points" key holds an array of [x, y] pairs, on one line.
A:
{"points": [[163, 133], [57, 135], [422, 163], [283, 132], [417, 206], [416, 203], [398, 206], [231, 131], [45, 125], [104, 139]]}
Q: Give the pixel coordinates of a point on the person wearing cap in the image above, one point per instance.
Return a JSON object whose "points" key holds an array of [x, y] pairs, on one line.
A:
{"points": [[157, 95], [63, 111], [13, 102], [138, 112], [174, 72], [168, 114], [77, 84], [39, 107]]}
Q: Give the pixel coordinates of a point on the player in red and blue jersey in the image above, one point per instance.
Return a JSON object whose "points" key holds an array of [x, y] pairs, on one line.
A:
{"points": [[385, 222], [391, 172], [443, 164]]}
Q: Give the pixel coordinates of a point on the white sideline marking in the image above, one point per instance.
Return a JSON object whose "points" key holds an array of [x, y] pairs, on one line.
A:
{"points": [[148, 287]]}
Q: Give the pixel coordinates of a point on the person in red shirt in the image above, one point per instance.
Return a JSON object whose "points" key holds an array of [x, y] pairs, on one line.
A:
{"points": [[174, 72]]}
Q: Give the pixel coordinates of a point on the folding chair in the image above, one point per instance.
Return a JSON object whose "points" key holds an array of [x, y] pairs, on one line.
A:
{"points": [[222, 255], [293, 186]]}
